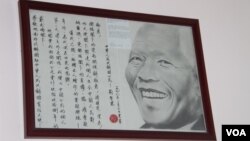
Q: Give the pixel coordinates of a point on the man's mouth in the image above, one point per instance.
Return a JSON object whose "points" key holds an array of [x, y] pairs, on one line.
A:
{"points": [[152, 93]]}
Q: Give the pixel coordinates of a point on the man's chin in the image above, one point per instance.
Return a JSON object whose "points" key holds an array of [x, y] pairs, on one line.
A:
{"points": [[156, 119], [156, 124]]}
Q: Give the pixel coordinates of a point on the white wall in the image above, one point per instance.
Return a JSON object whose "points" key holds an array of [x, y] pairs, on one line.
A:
{"points": [[225, 30]]}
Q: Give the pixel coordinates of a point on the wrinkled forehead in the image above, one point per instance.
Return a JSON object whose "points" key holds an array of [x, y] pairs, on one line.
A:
{"points": [[151, 30], [158, 40]]}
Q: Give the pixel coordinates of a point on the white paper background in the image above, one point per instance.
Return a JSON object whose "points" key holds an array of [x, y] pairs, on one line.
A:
{"points": [[119, 47]]}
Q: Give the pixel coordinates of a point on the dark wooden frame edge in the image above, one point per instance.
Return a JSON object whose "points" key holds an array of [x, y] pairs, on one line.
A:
{"points": [[32, 132]]}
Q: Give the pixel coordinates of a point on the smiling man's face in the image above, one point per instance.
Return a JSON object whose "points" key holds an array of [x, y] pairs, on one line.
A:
{"points": [[160, 77]]}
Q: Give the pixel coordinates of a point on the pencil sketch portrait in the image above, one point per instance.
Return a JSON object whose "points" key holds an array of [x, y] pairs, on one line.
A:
{"points": [[163, 78]]}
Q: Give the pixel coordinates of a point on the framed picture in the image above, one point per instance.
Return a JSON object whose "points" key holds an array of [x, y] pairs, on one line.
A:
{"points": [[95, 73]]}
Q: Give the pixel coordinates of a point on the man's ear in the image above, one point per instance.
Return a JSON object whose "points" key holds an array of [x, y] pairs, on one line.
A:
{"points": [[197, 93], [196, 82]]}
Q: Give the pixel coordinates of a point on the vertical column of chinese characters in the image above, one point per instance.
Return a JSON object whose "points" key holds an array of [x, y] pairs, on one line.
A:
{"points": [[66, 54], [52, 73], [83, 86], [117, 93], [88, 77], [42, 33], [80, 74], [36, 59], [95, 33], [74, 77], [59, 67], [65, 71], [108, 67], [52, 76]]}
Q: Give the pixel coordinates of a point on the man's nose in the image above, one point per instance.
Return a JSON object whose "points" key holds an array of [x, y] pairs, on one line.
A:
{"points": [[148, 73]]}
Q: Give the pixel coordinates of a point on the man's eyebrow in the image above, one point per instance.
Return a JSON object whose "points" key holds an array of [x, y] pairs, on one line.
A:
{"points": [[134, 52], [130, 59]]}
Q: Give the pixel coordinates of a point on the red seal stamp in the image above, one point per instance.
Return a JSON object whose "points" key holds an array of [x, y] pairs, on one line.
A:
{"points": [[113, 118]]}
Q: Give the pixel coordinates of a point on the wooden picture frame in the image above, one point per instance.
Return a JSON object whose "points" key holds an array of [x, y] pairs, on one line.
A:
{"points": [[96, 73]]}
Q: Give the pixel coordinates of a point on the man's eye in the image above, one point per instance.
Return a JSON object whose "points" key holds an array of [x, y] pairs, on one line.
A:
{"points": [[165, 63], [136, 60]]}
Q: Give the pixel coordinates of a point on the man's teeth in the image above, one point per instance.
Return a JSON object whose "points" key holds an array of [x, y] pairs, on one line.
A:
{"points": [[153, 95]]}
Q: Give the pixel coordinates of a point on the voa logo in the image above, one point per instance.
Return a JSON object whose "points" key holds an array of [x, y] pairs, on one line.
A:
{"points": [[236, 132]]}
